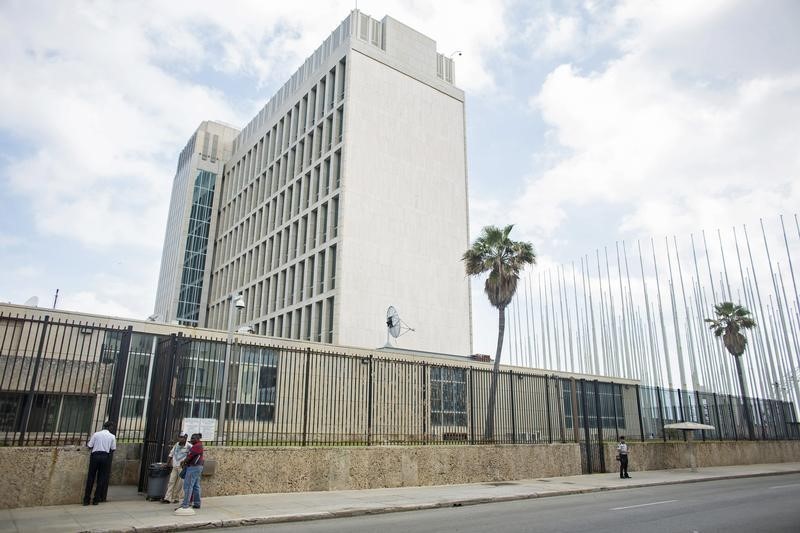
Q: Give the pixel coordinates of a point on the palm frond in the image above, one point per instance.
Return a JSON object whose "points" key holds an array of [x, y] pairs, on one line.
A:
{"points": [[729, 320], [503, 258]]}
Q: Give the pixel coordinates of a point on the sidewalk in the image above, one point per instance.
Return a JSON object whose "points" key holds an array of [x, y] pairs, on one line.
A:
{"points": [[139, 515]]}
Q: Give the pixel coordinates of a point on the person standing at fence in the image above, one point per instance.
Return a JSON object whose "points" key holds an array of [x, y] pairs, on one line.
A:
{"points": [[191, 482], [103, 443], [622, 457], [177, 454]]}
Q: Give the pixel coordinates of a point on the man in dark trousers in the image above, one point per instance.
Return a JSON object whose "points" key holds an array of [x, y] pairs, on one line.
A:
{"points": [[102, 444], [622, 455]]}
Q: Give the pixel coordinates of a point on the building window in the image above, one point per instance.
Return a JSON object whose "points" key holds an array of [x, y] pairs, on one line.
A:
{"points": [[258, 376], [307, 322], [329, 331], [196, 248], [335, 217], [448, 396], [332, 268], [318, 325], [63, 413]]}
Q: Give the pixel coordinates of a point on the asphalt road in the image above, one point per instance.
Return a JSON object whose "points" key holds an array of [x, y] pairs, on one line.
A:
{"points": [[762, 504]]}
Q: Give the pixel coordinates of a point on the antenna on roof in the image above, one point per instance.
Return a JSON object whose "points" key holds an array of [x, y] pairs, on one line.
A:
{"points": [[55, 300], [395, 325]]}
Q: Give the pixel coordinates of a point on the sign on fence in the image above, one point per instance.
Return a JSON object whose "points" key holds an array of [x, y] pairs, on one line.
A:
{"points": [[205, 426]]}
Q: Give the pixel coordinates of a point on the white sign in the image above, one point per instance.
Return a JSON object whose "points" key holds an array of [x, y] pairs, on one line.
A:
{"points": [[205, 426]]}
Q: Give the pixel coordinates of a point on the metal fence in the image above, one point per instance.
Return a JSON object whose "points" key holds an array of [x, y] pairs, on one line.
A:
{"points": [[60, 380]]}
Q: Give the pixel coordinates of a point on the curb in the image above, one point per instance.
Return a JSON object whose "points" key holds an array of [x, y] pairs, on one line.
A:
{"points": [[458, 502]]}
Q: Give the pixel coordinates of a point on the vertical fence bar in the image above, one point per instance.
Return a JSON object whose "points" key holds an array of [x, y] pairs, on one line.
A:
{"points": [[513, 410], [549, 417], [661, 413], [599, 419], [576, 433], [720, 434], [369, 402], [733, 418], [614, 403], [560, 405], [639, 409], [425, 403], [700, 413], [471, 405], [26, 416], [587, 438], [119, 376], [307, 378]]}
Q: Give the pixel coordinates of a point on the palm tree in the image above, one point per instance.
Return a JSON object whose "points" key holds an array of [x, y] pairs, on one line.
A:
{"points": [[503, 259], [730, 320]]}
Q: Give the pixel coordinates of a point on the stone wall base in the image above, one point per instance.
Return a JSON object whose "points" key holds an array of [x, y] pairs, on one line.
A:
{"points": [[54, 476], [659, 455]]}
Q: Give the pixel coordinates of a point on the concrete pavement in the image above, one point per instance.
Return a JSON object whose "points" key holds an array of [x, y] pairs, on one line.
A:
{"points": [[128, 512]]}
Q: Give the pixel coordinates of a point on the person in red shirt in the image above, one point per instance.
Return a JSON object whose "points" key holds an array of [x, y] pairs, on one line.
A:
{"points": [[193, 465]]}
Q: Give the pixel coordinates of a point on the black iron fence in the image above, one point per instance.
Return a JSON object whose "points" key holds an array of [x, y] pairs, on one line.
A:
{"points": [[60, 380]]}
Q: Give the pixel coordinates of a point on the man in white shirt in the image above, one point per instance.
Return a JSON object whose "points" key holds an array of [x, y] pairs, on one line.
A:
{"points": [[622, 455], [177, 454], [103, 443]]}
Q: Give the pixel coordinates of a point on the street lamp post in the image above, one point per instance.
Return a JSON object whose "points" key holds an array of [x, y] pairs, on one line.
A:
{"points": [[235, 303]]}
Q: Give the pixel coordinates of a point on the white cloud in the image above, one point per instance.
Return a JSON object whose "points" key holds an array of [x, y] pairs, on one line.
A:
{"points": [[561, 35], [669, 134]]}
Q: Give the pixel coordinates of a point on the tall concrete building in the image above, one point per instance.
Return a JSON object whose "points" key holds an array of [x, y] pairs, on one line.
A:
{"points": [[346, 194], [182, 295]]}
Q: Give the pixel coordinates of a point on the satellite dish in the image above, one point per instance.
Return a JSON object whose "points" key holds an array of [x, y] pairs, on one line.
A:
{"points": [[394, 325], [33, 301], [393, 322]]}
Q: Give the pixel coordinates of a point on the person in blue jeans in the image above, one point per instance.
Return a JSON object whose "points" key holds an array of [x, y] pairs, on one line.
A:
{"points": [[191, 483]]}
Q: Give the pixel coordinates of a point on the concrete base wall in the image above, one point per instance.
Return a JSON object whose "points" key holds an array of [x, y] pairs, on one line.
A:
{"points": [[668, 455], [260, 470], [53, 476]]}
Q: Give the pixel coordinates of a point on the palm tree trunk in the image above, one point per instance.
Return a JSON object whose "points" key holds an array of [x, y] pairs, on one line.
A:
{"points": [[745, 404], [488, 431]]}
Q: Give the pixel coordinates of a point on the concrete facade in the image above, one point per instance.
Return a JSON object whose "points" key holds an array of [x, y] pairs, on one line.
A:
{"points": [[346, 194]]}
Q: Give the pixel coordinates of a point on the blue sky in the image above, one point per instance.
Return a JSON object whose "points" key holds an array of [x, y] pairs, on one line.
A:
{"points": [[588, 122]]}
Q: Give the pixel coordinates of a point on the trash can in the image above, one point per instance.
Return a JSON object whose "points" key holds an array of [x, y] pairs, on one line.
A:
{"points": [[157, 478]]}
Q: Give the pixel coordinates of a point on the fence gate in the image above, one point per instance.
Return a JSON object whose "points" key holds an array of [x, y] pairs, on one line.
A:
{"points": [[592, 453], [162, 422]]}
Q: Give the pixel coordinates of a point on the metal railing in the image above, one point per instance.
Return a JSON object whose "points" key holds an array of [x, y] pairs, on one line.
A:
{"points": [[60, 380]]}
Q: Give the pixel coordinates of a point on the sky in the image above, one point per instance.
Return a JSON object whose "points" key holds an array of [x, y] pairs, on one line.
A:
{"points": [[587, 122]]}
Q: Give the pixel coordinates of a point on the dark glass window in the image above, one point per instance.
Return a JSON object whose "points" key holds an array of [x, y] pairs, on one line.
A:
{"points": [[448, 396], [49, 412], [196, 248], [258, 377]]}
